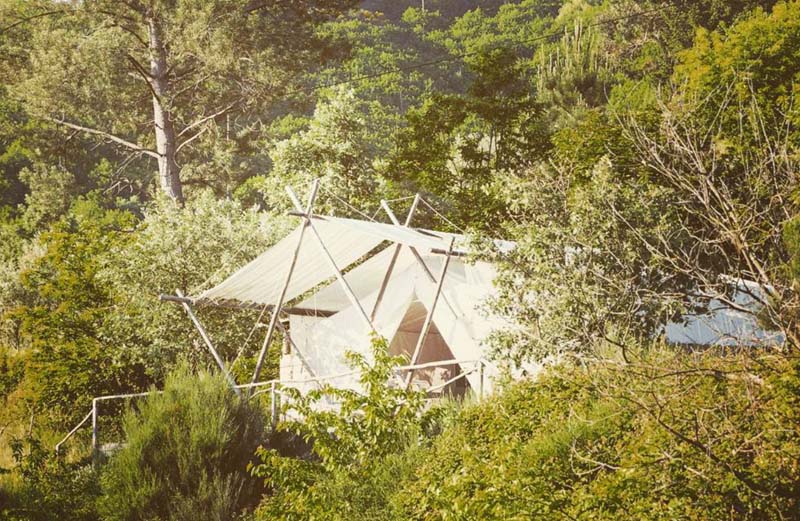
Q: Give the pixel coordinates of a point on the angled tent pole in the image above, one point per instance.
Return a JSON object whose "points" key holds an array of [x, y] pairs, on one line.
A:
{"points": [[396, 222], [417, 256], [276, 310], [339, 275], [426, 326], [395, 254], [207, 341]]}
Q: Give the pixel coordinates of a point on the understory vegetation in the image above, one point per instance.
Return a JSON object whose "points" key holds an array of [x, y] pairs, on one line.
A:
{"points": [[670, 436], [643, 157]]}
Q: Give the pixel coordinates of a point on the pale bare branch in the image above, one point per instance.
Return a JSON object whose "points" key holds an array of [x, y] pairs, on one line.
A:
{"points": [[105, 135]]}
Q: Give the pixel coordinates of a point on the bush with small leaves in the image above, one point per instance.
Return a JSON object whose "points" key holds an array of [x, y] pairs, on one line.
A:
{"points": [[186, 454]]}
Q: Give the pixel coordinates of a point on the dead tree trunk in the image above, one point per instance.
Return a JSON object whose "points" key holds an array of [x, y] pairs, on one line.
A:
{"points": [[166, 141]]}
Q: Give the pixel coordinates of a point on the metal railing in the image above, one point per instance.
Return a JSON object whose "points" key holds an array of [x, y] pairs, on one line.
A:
{"points": [[275, 392]]}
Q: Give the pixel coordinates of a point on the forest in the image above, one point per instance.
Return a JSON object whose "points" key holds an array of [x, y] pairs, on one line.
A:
{"points": [[643, 156]]}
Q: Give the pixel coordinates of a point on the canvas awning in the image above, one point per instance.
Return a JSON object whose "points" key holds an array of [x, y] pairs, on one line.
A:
{"points": [[347, 241]]}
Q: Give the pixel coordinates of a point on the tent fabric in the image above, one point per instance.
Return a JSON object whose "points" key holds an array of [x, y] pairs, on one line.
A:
{"points": [[320, 342], [261, 281], [368, 276], [364, 279], [324, 342], [458, 324], [723, 327], [347, 240], [423, 240]]}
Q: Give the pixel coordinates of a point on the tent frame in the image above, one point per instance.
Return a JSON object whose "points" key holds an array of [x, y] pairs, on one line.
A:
{"points": [[305, 212], [276, 310]]}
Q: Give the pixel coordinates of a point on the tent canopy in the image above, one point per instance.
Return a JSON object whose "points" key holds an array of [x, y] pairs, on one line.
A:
{"points": [[388, 275], [459, 322], [347, 241]]}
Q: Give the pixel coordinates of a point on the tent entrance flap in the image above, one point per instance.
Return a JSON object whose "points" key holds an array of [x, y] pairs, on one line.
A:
{"points": [[434, 349]]}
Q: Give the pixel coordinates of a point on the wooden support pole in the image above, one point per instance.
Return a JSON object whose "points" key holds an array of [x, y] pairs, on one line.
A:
{"points": [[414, 251], [417, 256], [481, 372], [209, 344], [300, 354], [339, 275], [395, 254], [429, 316], [273, 404], [276, 309], [94, 430]]}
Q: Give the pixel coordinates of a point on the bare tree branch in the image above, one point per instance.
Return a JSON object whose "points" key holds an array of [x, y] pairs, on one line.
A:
{"points": [[204, 119], [30, 18], [106, 135]]}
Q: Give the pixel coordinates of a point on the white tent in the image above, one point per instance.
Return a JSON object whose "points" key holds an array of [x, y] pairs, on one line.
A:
{"points": [[458, 324], [340, 281]]}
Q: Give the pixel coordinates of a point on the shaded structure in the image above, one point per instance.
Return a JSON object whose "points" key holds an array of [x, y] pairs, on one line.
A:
{"points": [[334, 283]]}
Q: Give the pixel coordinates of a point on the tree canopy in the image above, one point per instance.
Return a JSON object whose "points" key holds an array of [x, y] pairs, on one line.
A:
{"points": [[643, 157]]}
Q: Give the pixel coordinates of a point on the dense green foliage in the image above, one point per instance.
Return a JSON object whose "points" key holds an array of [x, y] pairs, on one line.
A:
{"points": [[178, 459], [608, 442], [643, 156], [48, 485], [350, 445], [673, 436], [184, 454]]}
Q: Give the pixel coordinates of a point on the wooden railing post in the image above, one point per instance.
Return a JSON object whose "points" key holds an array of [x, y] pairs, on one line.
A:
{"points": [[480, 379], [94, 430], [273, 397]]}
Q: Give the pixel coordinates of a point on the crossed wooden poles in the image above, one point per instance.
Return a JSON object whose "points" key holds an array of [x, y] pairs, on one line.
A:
{"points": [[307, 224]]}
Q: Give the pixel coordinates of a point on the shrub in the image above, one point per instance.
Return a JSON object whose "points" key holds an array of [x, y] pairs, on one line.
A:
{"points": [[44, 486], [677, 435], [360, 451], [186, 454]]}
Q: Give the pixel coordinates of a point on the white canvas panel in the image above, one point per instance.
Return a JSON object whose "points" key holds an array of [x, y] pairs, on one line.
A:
{"points": [[261, 281], [423, 240], [456, 318], [324, 342], [364, 280], [722, 325], [367, 277], [459, 321]]}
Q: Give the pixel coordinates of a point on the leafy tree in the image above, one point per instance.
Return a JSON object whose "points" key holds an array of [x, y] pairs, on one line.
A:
{"points": [[580, 276], [50, 486], [86, 320], [751, 63], [606, 442], [62, 317], [184, 71], [335, 148], [368, 426], [190, 248]]}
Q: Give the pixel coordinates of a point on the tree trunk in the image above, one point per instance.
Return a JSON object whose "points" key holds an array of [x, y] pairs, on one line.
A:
{"points": [[166, 142]]}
